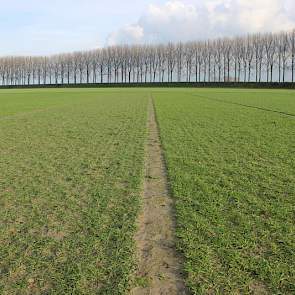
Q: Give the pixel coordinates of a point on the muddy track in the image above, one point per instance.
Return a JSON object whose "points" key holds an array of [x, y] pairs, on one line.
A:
{"points": [[160, 268]]}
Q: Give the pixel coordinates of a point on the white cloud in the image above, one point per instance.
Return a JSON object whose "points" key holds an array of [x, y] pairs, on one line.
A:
{"points": [[128, 34], [199, 19], [51, 26]]}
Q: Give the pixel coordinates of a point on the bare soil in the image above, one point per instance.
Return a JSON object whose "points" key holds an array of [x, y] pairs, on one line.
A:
{"points": [[160, 266]]}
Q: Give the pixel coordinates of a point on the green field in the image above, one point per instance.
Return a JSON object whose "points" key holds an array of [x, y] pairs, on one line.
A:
{"points": [[232, 172], [71, 168], [71, 174]]}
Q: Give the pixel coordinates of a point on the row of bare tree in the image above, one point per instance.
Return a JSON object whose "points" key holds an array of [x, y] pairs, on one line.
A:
{"points": [[258, 58]]}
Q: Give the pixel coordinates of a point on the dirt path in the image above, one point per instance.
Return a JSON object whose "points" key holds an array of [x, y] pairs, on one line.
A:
{"points": [[160, 267]]}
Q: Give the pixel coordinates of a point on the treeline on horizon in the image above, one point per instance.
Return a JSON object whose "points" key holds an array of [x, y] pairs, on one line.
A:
{"points": [[268, 57]]}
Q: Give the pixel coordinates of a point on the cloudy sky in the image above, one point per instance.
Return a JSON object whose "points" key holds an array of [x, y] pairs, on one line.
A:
{"points": [[50, 26]]}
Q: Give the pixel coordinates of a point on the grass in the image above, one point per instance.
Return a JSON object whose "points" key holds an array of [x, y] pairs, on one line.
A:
{"points": [[71, 172], [232, 173], [71, 169]]}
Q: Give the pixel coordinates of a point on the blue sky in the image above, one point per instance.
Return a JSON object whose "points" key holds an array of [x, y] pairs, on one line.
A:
{"points": [[50, 26]]}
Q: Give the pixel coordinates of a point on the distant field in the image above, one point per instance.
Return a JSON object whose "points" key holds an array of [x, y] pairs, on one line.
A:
{"points": [[71, 174]]}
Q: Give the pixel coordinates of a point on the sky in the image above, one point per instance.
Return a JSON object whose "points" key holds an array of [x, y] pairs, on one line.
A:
{"points": [[44, 27]]}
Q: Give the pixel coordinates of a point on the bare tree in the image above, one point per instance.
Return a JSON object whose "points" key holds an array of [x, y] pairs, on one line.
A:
{"points": [[265, 57], [171, 59], [292, 46]]}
